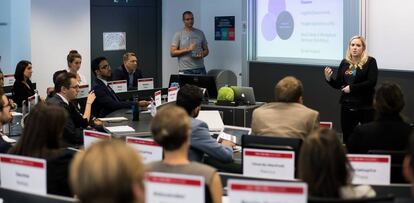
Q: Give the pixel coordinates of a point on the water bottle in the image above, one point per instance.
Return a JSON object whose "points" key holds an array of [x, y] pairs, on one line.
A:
{"points": [[135, 110]]}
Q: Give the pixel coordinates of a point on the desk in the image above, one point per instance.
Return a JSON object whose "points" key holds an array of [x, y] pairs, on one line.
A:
{"points": [[234, 115]]}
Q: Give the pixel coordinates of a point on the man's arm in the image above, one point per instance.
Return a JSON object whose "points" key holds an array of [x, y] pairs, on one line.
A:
{"points": [[175, 52]]}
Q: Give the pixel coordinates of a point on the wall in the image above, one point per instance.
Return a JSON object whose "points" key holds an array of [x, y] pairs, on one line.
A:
{"points": [[57, 27], [5, 34]]}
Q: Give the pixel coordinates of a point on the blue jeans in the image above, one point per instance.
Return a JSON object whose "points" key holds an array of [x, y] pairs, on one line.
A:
{"points": [[196, 71]]}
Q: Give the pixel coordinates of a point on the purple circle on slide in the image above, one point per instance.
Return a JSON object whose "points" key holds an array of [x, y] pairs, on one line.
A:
{"points": [[285, 25], [269, 27], [276, 6]]}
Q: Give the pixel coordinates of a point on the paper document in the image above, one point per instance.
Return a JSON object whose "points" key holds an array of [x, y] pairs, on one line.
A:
{"points": [[120, 129], [213, 120], [113, 119]]}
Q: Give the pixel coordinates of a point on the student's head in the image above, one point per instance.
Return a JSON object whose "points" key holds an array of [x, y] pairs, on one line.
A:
{"points": [[190, 97], [5, 109], [389, 99], [356, 54], [108, 171], [23, 71], [67, 85], [171, 127], [1, 79], [43, 129], [130, 61], [101, 68], [289, 89], [74, 60], [323, 164], [188, 19]]}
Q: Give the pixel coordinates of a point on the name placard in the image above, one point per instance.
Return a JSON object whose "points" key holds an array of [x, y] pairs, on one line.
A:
{"points": [[174, 188], [325, 124], [89, 137], [371, 169], [241, 191], [274, 164], [9, 79], [145, 84], [119, 85], [83, 91], [148, 148], [23, 173], [172, 94], [157, 98]]}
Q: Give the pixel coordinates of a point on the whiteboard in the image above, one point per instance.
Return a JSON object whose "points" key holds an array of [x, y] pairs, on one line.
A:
{"points": [[390, 33]]}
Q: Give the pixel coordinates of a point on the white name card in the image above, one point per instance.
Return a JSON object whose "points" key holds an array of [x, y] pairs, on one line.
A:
{"points": [[148, 148], [23, 174], [157, 98], [89, 137], [9, 80], [83, 91], [370, 169], [146, 84], [324, 124], [241, 191], [173, 188], [119, 85], [273, 164], [172, 94]]}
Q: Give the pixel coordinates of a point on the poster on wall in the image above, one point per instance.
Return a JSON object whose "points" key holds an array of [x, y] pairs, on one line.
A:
{"points": [[113, 41], [224, 28]]}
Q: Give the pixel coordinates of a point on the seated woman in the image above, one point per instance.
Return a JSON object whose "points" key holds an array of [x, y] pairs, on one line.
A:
{"points": [[74, 63], [171, 128], [324, 167], [109, 172], [22, 87], [388, 131], [42, 133]]}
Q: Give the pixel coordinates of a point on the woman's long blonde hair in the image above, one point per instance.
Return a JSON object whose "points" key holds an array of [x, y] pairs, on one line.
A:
{"points": [[364, 55]]}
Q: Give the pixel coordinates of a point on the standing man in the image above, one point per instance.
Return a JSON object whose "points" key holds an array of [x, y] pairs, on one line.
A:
{"points": [[128, 70], [190, 46]]}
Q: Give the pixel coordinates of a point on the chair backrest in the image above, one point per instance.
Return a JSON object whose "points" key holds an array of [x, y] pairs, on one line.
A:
{"points": [[379, 199], [397, 158], [15, 196]]}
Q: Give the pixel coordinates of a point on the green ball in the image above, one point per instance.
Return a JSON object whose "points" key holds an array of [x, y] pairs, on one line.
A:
{"points": [[225, 94]]}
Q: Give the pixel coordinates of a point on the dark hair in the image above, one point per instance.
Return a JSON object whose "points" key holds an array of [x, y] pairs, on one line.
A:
{"points": [[187, 12], [73, 54], [1, 99], [288, 89], [323, 164], [63, 80], [42, 132], [389, 99], [170, 127], [95, 63], [189, 97], [20, 67], [57, 73]]}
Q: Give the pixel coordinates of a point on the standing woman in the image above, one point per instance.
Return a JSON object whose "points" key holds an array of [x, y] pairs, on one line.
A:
{"points": [[74, 62], [356, 78], [23, 87]]}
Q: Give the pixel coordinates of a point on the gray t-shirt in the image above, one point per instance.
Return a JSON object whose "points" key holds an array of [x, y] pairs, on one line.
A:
{"points": [[182, 40]]}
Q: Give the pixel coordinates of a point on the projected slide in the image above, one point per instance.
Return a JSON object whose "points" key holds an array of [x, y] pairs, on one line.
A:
{"points": [[308, 29]]}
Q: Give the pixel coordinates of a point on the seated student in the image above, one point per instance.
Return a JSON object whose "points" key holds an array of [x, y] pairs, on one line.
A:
{"points": [[74, 63], [41, 136], [129, 70], [171, 128], [324, 167], [389, 131], [189, 97], [22, 87], [67, 88], [5, 117], [287, 117], [107, 101], [108, 171]]}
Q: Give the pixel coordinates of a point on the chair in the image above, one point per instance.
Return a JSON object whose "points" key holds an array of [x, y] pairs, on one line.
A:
{"points": [[397, 158], [380, 199]]}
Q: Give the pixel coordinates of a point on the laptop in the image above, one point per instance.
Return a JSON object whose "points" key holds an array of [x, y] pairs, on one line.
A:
{"points": [[233, 133], [243, 95]]}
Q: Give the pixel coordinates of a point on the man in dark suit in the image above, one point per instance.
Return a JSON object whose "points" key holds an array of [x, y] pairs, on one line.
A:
{"points": [[66, 90], [128, 70], [107, 101]]}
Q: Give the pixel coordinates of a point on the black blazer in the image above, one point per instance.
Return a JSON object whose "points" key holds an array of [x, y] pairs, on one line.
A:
{"points": [[106, 100], [386, 133], [58, 173], [21, 92], [121, 73], [363, 87], [73, 132]]}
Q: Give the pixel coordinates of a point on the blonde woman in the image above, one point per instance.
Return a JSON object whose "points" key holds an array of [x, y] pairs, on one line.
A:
{"points": [[356, 78]]}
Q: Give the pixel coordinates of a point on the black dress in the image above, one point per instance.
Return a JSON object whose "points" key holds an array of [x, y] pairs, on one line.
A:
{"points": [[21, 92]]}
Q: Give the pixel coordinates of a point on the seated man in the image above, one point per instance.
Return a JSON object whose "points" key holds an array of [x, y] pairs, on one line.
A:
{"points": [[5, 118], [189, 97], [66, 90], [287, 117], [128, 70], [107, 101]]}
